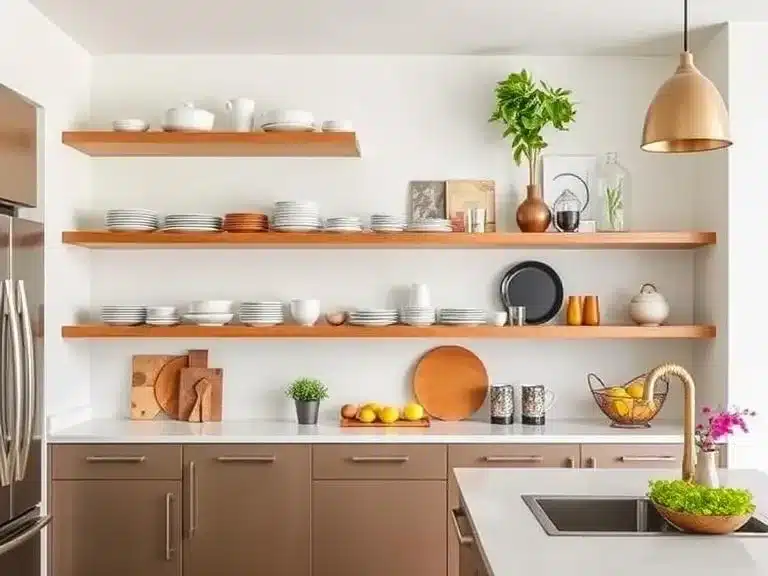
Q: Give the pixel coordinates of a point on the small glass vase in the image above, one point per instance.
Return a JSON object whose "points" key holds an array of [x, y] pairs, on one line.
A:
{"points": [[706, 469], [614, 192]]}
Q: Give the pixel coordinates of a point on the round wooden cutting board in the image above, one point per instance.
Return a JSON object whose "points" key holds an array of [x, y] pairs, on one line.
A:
{"points": [[450, 382]]}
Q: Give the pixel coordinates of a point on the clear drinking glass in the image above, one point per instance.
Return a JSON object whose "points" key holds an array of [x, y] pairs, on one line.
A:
{"points": [[614, 190]]}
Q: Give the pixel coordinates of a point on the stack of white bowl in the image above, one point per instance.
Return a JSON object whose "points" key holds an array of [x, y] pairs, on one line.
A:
{"points": [[372, 317], [418, 316], [261, 313], [387, 223], [209, 313], [294, 216], [462, 316], [131, 219], [192, 222], [343, 224], [287, 121], [430, 225], [162, 316], [123, 315]]}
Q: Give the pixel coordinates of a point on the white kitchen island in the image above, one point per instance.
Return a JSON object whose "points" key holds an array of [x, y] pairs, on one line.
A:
{"points": [[511, 541]]}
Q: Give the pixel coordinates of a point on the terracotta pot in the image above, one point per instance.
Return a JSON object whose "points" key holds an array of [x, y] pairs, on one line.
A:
{"points": [[533, 214]]}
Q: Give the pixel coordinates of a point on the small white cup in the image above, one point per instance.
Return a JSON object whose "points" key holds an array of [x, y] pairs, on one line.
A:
{"points": [[420, 297], [499, 318], [305, 312], [241, 113]]}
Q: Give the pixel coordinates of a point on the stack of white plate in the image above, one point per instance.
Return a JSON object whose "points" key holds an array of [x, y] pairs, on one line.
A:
{"points": [[293, 216], [261, 313], [123, 315], [287, 121], [387, 223], [343, 224], [131, 219], [192, 222], [417, 316], [430, 225], [162, 316], [210, 313], [372, 317], [462, 316]]}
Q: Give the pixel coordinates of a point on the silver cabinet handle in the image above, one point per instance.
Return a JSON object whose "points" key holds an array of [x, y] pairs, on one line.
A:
{"points": [[192, 499], [647, 459], [501, 459], [168, 544], [115, 459], [382, 459], [30, 377], [22, 537], [246, 459], [10, 312], [463, 540]]}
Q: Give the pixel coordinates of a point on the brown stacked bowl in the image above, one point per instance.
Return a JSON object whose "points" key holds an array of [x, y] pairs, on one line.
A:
{"points": [[246, 222]]}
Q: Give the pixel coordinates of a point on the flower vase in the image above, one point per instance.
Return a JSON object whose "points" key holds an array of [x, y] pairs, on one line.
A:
{"points": [[706, 469], [533, 214]]}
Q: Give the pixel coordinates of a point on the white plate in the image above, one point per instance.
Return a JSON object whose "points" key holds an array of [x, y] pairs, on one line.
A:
{"points": [[131, 228], [250, 323], [132, 211], [296, 228], [292, 203], [288, 127], [193, 216], [361, 323], [130, 219]]}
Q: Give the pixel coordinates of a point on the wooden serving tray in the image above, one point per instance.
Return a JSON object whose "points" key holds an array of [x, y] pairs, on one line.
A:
{"points": [[351, 423]]}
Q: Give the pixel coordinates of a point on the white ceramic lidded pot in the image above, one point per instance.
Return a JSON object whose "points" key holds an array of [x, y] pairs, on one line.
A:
{"points": [[649, 307], [188, 118]]}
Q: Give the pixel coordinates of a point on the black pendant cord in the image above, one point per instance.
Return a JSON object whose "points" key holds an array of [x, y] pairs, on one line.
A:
{"points": [[685, 25]]}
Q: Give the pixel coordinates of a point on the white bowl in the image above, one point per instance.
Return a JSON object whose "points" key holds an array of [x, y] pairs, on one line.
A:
{"points": [[208, 319], [130, 125], [305, 312], [337, 126], [188, 118], [210, 307], [280, 116]]}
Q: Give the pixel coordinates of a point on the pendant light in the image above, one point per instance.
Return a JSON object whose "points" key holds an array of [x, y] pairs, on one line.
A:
{"points": [[687, 114]]}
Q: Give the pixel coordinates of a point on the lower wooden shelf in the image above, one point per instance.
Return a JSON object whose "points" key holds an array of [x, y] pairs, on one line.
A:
{"points": [[545, 332]]}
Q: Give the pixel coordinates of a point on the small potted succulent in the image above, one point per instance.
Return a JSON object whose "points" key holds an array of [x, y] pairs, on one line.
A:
{"points": [[307, 394], [719, 426]]}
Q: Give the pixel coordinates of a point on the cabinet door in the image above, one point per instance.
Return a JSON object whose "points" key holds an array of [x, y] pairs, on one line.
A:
{"points": [[116, 527], [248, 510], [378, 527], [631, 455], [501, 456]]}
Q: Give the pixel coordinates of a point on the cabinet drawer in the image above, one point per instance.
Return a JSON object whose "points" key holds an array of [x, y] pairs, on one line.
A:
{"points": [[513, 456], [379, 462], [631, 455], [116, 462]]}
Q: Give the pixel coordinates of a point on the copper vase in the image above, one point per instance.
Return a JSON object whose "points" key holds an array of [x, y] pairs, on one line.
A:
{"points": [[533, 214]]}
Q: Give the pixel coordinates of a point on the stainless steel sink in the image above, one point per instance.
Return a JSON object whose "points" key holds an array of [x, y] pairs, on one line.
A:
{"points": [[611, 516]]}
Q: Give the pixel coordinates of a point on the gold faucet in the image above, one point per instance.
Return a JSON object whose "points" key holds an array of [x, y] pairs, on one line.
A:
{"points": [[689, 399]]}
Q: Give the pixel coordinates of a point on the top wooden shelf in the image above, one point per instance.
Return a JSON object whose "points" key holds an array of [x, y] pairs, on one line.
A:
{"points": [[198, 144], [511, 240]]}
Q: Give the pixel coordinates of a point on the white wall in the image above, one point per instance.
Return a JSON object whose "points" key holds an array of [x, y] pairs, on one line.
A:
{"points": [[46, 66], [417, 118]]}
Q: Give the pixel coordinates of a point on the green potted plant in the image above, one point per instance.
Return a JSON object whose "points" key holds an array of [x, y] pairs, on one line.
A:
{"points": [[307, 394], [525, 108]]}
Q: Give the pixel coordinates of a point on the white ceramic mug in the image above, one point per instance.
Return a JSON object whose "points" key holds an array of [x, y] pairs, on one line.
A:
{"points": [[305, 312], [241, 112], [499, 318], [420, 297]]}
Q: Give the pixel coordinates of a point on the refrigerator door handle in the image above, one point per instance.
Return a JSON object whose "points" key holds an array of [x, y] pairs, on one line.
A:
{"points": [[5, 420], [13, 324], [19, 539], [30, 375]]}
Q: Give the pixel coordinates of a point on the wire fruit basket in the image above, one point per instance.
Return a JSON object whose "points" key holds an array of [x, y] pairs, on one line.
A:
{"points": [[624, 404]]}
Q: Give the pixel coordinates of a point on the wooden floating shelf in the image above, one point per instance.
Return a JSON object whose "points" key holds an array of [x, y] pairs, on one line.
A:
{"points": [[545, 332], [197, 144], [598, 241]]}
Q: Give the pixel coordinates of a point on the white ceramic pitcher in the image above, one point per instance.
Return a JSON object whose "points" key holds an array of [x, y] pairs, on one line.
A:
{"points": [[241, 111]]}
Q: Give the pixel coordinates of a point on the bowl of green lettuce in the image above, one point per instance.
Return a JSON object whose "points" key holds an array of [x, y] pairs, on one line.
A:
{"points": [[694, 508]]}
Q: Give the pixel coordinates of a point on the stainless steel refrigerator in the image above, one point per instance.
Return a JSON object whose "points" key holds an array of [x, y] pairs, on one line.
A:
{"points": [[21, 341]]}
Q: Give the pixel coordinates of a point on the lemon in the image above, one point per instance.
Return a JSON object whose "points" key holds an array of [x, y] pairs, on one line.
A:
{"points": [[366, 415], [635, 389], [617, 392], [375, 406], [389, 414], [620, 408], [413, 411], [641, 412]]}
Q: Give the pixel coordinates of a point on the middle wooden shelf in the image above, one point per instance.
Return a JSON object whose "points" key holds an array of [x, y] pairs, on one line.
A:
{"points": [[542, 332]]}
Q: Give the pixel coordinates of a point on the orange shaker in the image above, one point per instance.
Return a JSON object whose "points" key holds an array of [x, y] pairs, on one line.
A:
{"points": [[591, 311], [573, 315]]}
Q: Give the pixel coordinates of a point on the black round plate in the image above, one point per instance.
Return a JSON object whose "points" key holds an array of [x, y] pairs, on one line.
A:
{"points": [[536, 286]]}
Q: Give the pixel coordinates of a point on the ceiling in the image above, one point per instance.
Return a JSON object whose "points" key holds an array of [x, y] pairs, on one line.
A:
{"points": [[556, 27]]}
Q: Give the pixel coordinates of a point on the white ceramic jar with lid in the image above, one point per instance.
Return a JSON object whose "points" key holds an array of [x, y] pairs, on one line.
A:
{"points": [[188, 118], [649, 307]]}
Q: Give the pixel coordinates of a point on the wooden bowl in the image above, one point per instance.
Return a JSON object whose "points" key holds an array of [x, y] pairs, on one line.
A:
{"points": [[702, 524]]}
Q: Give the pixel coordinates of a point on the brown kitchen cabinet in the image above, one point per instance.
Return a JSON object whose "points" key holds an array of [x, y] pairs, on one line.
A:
{"points": [[379, 510], [499, 456], [630, 456], [247, 509]]}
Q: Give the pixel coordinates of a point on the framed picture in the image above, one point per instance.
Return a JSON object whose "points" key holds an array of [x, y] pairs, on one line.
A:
{"points": [[427, 199], [463, 195], [575, 173]]}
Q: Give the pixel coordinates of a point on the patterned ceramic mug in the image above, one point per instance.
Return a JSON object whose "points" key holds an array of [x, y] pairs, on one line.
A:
{"points": [[502, 404], [536, 401]]}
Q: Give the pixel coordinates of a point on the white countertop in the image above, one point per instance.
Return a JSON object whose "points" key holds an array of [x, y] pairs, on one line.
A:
{"points": [[513, 542], [329, 432]]}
